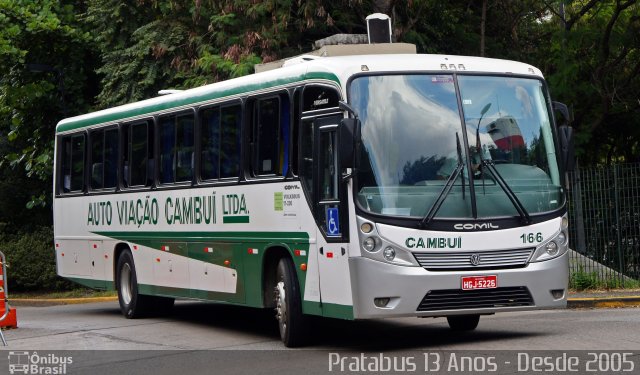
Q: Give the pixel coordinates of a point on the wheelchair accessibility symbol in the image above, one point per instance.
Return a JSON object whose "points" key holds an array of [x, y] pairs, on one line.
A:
{"points": [[333, 223]]}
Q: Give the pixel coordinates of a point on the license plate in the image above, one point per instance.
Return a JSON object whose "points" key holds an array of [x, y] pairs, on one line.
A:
{"points": [[479, 282]]}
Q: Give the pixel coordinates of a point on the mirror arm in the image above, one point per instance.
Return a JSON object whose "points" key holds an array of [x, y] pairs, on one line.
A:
{"points": [[344, 106], [347, 176]]}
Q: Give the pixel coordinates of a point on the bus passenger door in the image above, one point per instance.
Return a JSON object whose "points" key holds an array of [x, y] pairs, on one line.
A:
{"points": [[331, 216]]}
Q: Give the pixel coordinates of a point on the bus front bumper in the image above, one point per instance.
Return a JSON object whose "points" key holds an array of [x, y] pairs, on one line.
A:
{"points": [[406, 289]]}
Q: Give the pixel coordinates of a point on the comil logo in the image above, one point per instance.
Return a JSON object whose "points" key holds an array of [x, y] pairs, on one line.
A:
{"points": [[34, 364], [475, 226]]}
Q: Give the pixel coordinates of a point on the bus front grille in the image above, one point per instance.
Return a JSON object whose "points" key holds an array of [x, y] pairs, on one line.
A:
{"points": [[456, 299], [451, 261]]}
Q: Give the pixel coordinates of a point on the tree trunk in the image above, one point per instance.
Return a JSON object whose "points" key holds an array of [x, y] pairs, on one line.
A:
{"points": [[482, 24]]}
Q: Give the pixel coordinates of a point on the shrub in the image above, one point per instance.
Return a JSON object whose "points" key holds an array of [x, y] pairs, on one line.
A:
{"points": [[31, 260], [581, 280]]}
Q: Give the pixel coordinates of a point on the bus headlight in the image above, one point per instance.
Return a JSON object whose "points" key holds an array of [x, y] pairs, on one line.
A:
{"points": [[389, 253], [369, 244], [551, 249]]}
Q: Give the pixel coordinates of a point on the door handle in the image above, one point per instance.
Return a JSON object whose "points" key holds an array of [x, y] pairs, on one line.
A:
{"points": [[321, 251], [343, 251]]}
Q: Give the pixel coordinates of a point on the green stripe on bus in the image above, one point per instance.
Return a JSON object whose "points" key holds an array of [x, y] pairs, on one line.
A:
{"points": [[235, 220], [231, 246], [93, 283], [132, 236], [169, 103]]}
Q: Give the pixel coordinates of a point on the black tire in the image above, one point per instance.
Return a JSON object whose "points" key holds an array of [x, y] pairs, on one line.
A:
{"points": [[291, 322], [463, 322], [132, 304]]}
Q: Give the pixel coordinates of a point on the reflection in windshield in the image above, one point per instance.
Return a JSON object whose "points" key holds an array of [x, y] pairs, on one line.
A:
{"points": [[410, 124]]}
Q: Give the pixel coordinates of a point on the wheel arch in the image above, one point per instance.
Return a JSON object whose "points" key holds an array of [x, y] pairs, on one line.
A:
{"points": [[272, 255], [119, 249]]}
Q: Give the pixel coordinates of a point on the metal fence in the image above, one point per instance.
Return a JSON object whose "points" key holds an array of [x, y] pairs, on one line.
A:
{"points": [[604, 230]]}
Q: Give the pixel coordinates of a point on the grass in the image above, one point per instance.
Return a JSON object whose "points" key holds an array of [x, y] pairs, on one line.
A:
{"points": [[581, 280], [75, 293]]}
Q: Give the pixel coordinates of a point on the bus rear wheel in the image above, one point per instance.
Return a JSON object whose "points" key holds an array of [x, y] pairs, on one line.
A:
{"points": [[463, 322], [132, 304], [289, 305]]}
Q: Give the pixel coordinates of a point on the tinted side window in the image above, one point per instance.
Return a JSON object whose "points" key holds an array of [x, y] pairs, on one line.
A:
{"points": [[230, 142], [138, 154], [104, 158], [210, 131], [176, 148], [271, 136], [220, 142], [72, 163]]}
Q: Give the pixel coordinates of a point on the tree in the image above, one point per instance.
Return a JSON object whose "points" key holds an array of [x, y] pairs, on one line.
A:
{"points": [[46, 59]]}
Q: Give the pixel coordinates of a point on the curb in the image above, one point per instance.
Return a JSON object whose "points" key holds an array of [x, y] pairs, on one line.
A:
{"points": [[603, 302], [58, 301], [572, 303]]}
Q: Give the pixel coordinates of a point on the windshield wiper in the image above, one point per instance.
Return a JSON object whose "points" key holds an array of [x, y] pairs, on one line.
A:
{"points": [[446, 188], [524, 215], [441, 197]]}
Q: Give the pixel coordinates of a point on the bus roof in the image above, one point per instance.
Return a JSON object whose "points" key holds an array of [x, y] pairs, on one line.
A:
{"points": [[333, 69]]}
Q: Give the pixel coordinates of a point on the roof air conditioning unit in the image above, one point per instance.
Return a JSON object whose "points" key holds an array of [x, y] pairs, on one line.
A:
{"points": [[379, 28]]}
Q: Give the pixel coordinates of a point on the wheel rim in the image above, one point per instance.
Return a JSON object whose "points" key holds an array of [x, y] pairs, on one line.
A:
{"points": [[281, 307], [125, 283]]}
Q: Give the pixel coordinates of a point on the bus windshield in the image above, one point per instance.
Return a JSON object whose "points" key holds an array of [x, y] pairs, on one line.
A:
{"points": [[415, 136]]}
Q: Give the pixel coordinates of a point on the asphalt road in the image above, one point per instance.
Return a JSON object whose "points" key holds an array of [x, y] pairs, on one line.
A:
{"points": [[246, 340]]}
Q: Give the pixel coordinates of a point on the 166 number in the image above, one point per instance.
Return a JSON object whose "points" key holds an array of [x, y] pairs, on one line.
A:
{"points": [[531, 237]]}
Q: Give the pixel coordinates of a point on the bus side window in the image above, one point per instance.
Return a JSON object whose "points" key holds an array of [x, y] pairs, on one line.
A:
{"points": [[176, 148], [210, 142], [271, 136], [231, 120], [65, 167], [137, 147], [96, 139], [104, 158], [220, 137], [110, 158], [73, 163]]}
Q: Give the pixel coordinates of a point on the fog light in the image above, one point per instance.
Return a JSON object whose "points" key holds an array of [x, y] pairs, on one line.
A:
{"points": [[369, 243], [552, 248], [381, 302], [389, 254], [557, 293], [366, 228]]}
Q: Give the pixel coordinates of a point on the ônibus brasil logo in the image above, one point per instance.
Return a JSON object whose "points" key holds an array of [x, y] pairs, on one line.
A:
{"points": [[33, 363]]}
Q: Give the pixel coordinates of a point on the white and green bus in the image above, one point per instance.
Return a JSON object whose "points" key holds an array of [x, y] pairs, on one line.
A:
{"points": [[353, 187]]}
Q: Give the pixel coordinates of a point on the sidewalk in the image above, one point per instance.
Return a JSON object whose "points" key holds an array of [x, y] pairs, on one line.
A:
{"points": [[604, 298]]}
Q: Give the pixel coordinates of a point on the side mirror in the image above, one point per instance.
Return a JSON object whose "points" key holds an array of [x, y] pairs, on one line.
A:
{"points": [[564, 110], [347, 134], [567, 149]]}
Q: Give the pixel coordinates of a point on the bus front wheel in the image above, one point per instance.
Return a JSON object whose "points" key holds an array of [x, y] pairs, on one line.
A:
{"points": [[463, 322], [289, 304]]}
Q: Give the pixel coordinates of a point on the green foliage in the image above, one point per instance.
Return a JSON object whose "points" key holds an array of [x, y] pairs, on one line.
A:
{"points": [[581, 280], [31, 259], [33, 98]]}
